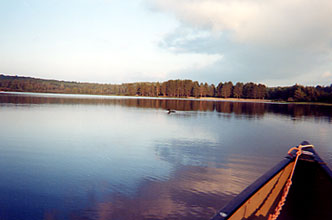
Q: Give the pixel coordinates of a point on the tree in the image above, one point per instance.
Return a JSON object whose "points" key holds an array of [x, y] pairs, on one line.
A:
{"points": [[163, 89], [188, 85], [226, 90], [312, 93], [211, 90], [157, 89], [299, 95], [250, 90], [237, 90], [202, 90], [219, 87], [261, 91], [195, 90]]}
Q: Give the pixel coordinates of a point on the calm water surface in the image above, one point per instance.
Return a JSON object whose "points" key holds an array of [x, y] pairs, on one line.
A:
{"points": [[100, 157]]}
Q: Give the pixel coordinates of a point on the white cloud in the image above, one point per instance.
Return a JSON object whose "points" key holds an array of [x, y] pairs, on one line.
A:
{"points": [[300, 22], [260, 40], [327, 74]]}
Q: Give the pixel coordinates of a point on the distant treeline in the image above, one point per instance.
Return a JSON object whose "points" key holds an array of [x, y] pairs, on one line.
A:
{"points": [[171, 88]]}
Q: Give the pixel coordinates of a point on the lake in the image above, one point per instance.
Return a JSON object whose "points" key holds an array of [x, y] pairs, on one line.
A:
{"points": [[105, 157]]}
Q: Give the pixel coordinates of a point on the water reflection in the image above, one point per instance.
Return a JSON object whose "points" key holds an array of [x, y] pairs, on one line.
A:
{"points": [[191, 192], [87, 157], [240, 109]]}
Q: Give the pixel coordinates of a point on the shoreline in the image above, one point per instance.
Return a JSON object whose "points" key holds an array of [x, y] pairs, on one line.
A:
{"points": [[232, 99], [267, 101], [215, 99]]}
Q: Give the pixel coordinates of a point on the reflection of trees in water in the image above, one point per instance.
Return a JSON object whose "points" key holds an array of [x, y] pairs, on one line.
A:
{"points": [[301, 110], [237, 108]]}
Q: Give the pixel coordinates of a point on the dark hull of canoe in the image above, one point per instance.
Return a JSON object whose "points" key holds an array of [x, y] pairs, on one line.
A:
{"points": [[309, 195]]}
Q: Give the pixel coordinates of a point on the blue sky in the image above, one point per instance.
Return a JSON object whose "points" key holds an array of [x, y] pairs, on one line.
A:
{"points": [[276, 42]]}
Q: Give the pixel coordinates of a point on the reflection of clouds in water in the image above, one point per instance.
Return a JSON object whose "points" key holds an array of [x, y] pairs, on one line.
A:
{"points": [[186, 152], [196, 153], [184, 126], [190, 193]]}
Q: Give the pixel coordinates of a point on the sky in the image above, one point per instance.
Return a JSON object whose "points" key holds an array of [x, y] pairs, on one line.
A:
{"points": [[275, 42]]}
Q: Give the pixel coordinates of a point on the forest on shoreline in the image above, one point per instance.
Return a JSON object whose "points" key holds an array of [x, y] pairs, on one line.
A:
{"points": [[171, 88]]}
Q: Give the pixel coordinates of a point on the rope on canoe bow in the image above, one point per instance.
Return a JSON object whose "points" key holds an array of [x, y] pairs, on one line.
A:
{"points": [[288, 184]]}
